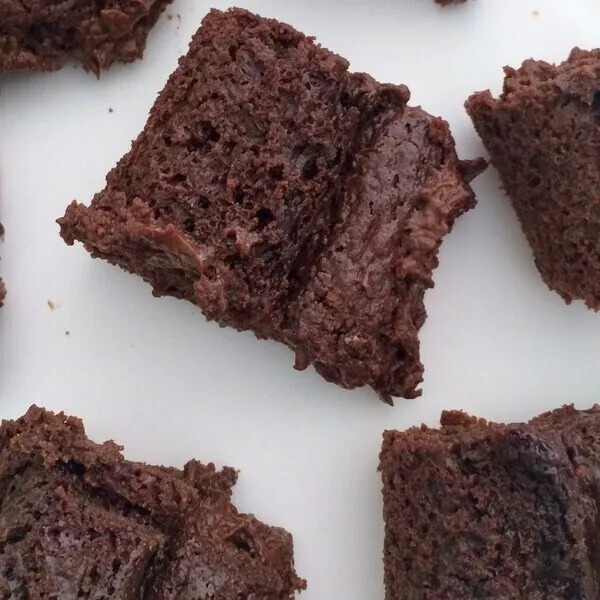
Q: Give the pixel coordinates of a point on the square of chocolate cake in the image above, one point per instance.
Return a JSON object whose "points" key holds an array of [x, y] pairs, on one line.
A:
{"points": [[79, 521], [479, 510], [285, 195]]}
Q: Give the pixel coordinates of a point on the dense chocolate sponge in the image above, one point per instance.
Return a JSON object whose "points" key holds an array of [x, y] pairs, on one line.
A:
{"points": [[41, 35], [543, 135], [79, 521], [285, 195], [480, 510]]}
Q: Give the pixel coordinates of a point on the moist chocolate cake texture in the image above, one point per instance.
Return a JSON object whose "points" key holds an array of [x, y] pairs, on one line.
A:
{"points": [[79, 521], [41, 36], [284, 195], [543, 135], [480, 510]]}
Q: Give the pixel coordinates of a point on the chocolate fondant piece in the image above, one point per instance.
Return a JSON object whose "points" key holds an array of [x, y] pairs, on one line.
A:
{"points": [[42, 35], [79, 521], [483, 510], [543, 135], [285, 195]]}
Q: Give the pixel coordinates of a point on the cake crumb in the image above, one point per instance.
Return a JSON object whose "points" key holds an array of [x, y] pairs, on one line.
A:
{"points": [[67, 332], [535, 13], [110, 110], [52, 305]]}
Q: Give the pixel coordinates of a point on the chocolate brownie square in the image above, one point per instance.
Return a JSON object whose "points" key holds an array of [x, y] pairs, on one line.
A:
{"points": [[41, 35], [284, 195], [79, 521], [543, 135], [483, 510]]}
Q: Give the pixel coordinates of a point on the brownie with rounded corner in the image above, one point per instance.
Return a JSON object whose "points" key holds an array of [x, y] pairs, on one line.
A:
{"points": [[543, 135], [42, 35], [485, 510], [285, 195], [77, 520]]}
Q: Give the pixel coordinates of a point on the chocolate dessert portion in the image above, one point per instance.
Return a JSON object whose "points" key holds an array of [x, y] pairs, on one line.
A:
{"points": [[543, 135], [41, 35], [284, 195], [79, 521], [484, 510]]}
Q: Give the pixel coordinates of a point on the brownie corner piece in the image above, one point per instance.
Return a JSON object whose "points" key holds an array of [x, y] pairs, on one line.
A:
{"points": [[543, 136], [485, 510], [42, 36], [77, 520], [285, 195]]}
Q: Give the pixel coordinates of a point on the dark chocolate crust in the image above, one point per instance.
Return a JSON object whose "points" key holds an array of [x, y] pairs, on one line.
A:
{"points": [[42, 36], [482, 510], [79, 521], [285, 195], [543, 135]]}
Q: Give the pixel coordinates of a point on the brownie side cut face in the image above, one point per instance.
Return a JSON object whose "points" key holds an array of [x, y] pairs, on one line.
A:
{"points": [[543, 135], [481, 510], [79, 521], [284, 195], [42, 35]]}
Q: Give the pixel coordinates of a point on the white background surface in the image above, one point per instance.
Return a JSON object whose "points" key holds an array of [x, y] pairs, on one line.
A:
{"points": [[153, 375]]}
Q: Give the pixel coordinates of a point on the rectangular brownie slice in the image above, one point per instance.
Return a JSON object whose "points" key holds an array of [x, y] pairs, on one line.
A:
{"points": [[480, 510], [41, 35], [79, 521], [543, 135], [285, 195]]}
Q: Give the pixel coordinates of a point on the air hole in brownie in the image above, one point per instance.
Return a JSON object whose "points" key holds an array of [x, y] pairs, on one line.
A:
{"points": [[8, 572], [310, 169], [94, 575], [178, 178], [345, 99], [203, 202], [189, 225], [264, 217], [396, 180], [74, 467], [167, 140], [596, 101], [208, 132], [240, 543], [535, 181], [232, 52], [276, 172], [235, 260], [408, 128], [238, 195], [210, 273], [116, 565]]}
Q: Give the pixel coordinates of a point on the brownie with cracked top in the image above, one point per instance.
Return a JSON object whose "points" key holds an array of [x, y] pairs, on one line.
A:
{"points": [[543, 135], [42, 35], [485, 510], [285, 195], [79, 521]]}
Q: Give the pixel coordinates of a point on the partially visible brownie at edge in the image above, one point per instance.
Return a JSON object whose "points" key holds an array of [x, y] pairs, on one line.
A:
{"points": [[543, 135], [79, 521], [485, 510], [284, 195], [42, 36]]}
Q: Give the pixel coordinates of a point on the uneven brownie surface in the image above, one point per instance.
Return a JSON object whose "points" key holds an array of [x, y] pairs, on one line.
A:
{"points": [[543, 135], [79, 521], [483, 510], [285, 195], [41, 35]]}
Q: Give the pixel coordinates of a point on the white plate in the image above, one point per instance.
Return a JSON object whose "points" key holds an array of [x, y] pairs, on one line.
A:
{"points": [[153, 375]]}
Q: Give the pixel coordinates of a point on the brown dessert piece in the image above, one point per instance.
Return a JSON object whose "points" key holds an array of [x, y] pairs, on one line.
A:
{"points": [[79, 521], [41, 35], [283, 194], [543, 135], [484, 510]]}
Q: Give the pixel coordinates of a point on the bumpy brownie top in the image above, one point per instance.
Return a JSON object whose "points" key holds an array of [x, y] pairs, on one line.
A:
{"points": [[41, 35], [78, 520], [482, 510], [543, 135]]}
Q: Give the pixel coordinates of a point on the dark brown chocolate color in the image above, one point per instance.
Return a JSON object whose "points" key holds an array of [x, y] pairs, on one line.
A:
{"points": [[79, 521], [285, 195], [41, 35], [479, 510], [543, 135]]}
